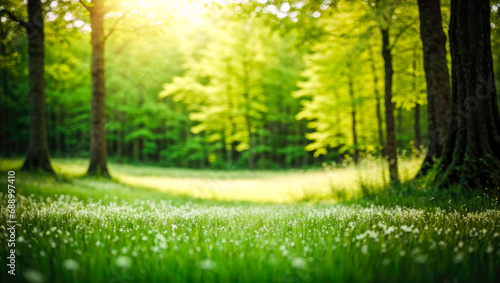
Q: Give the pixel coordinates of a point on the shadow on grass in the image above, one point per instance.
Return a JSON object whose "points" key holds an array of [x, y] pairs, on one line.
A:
{"points": [[419, 194], [107, 190]]}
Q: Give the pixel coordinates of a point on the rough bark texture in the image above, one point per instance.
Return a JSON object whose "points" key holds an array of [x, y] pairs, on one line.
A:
{"points": [[471, 156], [37, 157], [437, 78], [391, 147], [98, 155]]}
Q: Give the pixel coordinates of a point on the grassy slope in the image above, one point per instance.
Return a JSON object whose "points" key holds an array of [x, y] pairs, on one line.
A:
{"points": [[93, 230]]}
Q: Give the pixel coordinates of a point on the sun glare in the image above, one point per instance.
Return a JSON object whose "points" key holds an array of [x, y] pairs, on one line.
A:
{"points": [[191, 9]]}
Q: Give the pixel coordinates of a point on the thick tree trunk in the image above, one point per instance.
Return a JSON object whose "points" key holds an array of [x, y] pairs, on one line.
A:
{"points": [[98, 155], [355, 155], [391, 147], [471, 156], [38, 153], [437, 78], [378, 111]]}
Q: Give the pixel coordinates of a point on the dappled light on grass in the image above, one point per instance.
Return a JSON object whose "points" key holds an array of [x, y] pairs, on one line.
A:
{"points": [[331, 183]]}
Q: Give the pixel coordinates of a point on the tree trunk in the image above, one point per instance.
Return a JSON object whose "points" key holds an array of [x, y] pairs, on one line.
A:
{"points": [[391, 147], [377, 104], [471, 155], [98, 155], [437, 78], [38, 153], [355, 155]]}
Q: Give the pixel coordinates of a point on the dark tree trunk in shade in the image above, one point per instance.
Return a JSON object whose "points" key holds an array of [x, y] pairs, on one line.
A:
{"points": [[437, 78], [471, 156], [391, 146], [37, 157], [378, 111], [98, 155], [355, 155]]}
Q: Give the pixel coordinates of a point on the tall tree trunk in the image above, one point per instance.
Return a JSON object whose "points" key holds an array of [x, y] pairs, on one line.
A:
{"points": [[437, 78], [391, 147], [98, 155], [471, 155], [37, 157], [355, 155], [378, 111]]}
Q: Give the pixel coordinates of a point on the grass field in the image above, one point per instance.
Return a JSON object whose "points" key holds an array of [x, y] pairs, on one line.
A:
{"points": [[154, 224]]}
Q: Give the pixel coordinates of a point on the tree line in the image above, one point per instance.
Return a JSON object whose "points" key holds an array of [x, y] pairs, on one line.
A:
{"points": [[263, 84]]}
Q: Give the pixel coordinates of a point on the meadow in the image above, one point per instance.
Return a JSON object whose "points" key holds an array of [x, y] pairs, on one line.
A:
{"points": [[152, 224]]}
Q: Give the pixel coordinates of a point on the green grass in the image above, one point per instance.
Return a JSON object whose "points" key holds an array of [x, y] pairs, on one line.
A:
{"points": [[95, 230]]}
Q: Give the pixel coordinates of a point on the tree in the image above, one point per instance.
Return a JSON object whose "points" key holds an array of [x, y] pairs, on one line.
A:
{"points": [[37, 157], [437, 78], [471, 155], [98, 152], [391, 146]]}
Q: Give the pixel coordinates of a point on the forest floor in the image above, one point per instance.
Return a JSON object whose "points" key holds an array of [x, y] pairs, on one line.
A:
{"points": [[337, 224]]}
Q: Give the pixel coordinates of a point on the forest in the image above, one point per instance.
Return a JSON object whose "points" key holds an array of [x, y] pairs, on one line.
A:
{"points": [[250, 140]]}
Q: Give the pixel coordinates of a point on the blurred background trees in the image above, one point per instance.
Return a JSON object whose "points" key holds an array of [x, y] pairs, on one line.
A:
{"points": [[202, 84]]}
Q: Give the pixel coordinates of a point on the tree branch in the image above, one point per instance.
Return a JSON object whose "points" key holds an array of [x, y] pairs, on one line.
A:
{"points": [[113, 29], [14, 18], [401, 32], [85, 5]]}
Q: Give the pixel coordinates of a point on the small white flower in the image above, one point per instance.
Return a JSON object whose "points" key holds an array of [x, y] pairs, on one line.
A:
{"points": [[299, 263], [207, 264], [71, 264], [364, 249], [489, 249], [174, 227], [123, 262]]}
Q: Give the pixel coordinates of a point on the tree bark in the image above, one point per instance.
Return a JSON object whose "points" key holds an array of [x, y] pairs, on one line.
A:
{"points": [[391, 147], [437, 78], [98, 155], [37, 157], [471, 156]]}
